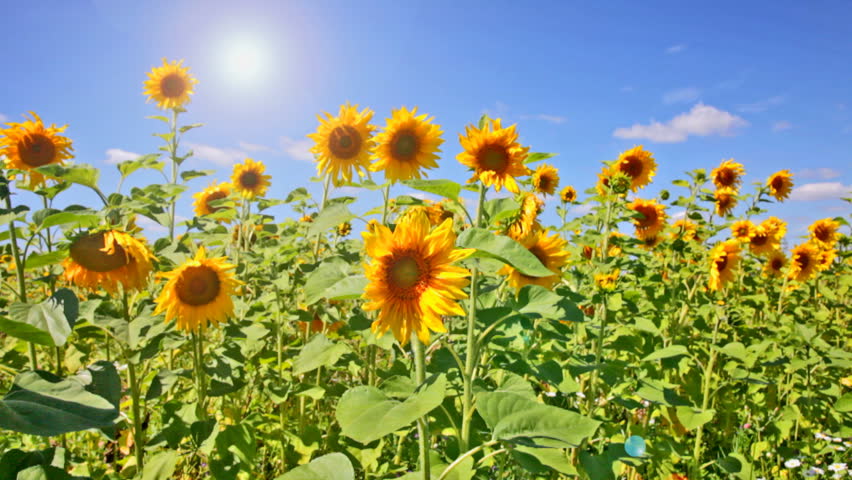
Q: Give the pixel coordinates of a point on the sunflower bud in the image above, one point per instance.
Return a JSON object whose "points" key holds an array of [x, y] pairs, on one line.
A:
{"points": [[620, 183], [664, 195]]}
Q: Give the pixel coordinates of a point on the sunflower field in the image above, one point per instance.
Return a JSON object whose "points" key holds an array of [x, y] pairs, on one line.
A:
{"points": [[680, 337]]}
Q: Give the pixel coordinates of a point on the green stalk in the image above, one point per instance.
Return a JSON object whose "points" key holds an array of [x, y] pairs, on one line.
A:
{"points": [[423, 422], [198, 353], [173, 145], [138, 437], [705, 402], [325, 189], [601, 313], [386, 196], [19, 270]]}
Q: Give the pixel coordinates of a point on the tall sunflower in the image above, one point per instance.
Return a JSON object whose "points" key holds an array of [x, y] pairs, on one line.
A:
{"points": [[825, 259], [602, 186], [412, 282], [775, 227], [494, 154], [607, 281], [29, 145], [780, 184], [743, 230], [545, 179], [107, 259], [526, 220], [804, 261], [653, 217], [763, 242], [728, 174], [824, 233], [638, 164], [685, 230], [568, 194], [203, 199], [550, 251], [248, 179], [409, 143], [198, 292], [726, 200], [775, 263], [344, 143], [723, 262], [169, 85]]}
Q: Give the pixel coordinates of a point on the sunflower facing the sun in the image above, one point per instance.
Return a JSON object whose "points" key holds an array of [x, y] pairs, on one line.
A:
{"points": [[549, 250], [170, 85], [775, 263], [780, 184], [743, 230], [653, 217], [412, 280], [545, 179], [409, 143], [344, 143], [804, 262], [568, 194], [494, 155], [723, 262], [728, 174], [726, 200], [198, 292], [107, 259], [248, 179], [215, 191], [638, 164], [29, 145], [824, 233]]}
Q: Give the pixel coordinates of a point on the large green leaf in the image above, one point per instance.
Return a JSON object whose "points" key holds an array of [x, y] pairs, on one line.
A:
{"points": [[319, 352], [692, 418], [349, 288], [487, 244], [82, 174], [47, 323], [330, 218], [538, 301], [844, 403], [74, 219], [670, 351], [517, 419], [366, 414], [324, 278], [152, 161], [42, 259], [160, 466], [335, 466], [443, 188]]}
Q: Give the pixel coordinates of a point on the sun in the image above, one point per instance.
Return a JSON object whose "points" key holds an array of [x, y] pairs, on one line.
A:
{"points": [[243, 60]]}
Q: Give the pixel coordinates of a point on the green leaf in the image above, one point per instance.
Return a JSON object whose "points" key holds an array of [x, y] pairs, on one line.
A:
{"points": [[319, 352], [190, 174], [844, 403], [160, 466], [330, 218], [47, 323], [334, 466], [680, 183], [366, 414], [349, 288], [668, 352], [489, 245], [324, 278], [735, 350], [539, 156], [443, 188], [517, 419], [692, 418], [737, 465], [38, 260], [189, 127], [539, 301], [75, 219], [300, 193], [152, 161], [81, 174]]}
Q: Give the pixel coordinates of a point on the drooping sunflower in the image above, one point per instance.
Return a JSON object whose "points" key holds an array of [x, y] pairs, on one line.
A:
{"points": [[780, 184], [526, 220], [653, 217], [726, 200], [412, 282], [775, 263], [198, 292], [545, 179], [607, 281], [29, 145], [568, 194], [824, 233], [743, 230], [638, 164], [804, 261], [107, 259], [408, 144], [494, 154], [723, 262], [728, 174], [170, 85], [203, 199], [685, 230], [344, 143], [437, 213], [550, 251], [248, 179]]}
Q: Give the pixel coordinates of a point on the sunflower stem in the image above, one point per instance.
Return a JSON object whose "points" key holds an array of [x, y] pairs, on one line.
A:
{"points": [[173, 145], [198, 354], [601, 313], [19, 264], [138, 440], [705, 401], [423, 422], [325, 189], [386, 196]]}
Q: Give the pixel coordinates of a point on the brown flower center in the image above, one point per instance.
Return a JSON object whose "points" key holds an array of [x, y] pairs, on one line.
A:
{"points": [[722, 263], [36, 150], [249, 179], [172, 85], [494, 158], [650, 217], [777, 264], [822, 233], [759, 239], [544, 183], [89, 252], [344, 142], [540, 254], [404, 145], [778, 183], [212, 198], [632, 166], [198, 285], [407, 275], [726, 177]]}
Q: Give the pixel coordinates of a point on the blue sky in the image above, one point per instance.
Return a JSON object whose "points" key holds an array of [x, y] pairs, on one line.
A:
{"points": [[766, 83]]}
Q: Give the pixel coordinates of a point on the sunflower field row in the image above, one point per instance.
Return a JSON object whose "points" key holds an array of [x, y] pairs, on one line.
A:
{"points": [[686, 336]]}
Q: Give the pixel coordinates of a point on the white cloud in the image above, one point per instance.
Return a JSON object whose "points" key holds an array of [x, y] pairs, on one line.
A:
{"points": [[254, 147], [583, 209], [3, 118], [702, 120], [500, 110], [821, 191], [150, 225], [298, 149], [220, 156], [676, 48], [823, 173], [679, 215], [781, 126], [556, 119], [681, 95], [114, 156], [762, 105]]}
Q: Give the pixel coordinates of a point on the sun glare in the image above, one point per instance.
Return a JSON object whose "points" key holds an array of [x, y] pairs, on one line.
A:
{"points": [[243, 60]]}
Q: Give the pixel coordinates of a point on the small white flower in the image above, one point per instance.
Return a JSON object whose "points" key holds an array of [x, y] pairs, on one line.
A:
{"points": [[836, 439], [837, 467], [821, 436], [839, 448], [550, 394], [761, 478], [581, 394], [793, 463]]}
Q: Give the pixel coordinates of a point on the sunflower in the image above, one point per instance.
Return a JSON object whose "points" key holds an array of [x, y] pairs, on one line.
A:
{"points": [[29, 145], [306, 218], [412, 280], [685, 230], [824, 233], [728, 174], [825, 259], [248, 179], [344, 143], [545, 179], [198, 292], [212, 193], [568, 194], [344, 229], [550, 251], [603, 187], [409, 143], [108, 259], [526, 220], [743, 230], [607, 281], [775, 227], [726, 200], [649, 243], [170, 85], [494, 154], [653, 217], [638, 164], [780, 184], [763, 242], [775, 263], [723, 261], [614, 244], [804, 262]]}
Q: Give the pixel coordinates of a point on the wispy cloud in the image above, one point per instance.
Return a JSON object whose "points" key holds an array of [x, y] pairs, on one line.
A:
{"points": [[681, 95], [781, 126], [114, 156], [220, 156], [679, 215], [821, 191], [626, 89], [555, 119], [762, 105], [823, 173], [583, 209], [702, 120], [676, 48], [3, 118], [499, 109], [254, 147], [298, 149]]}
